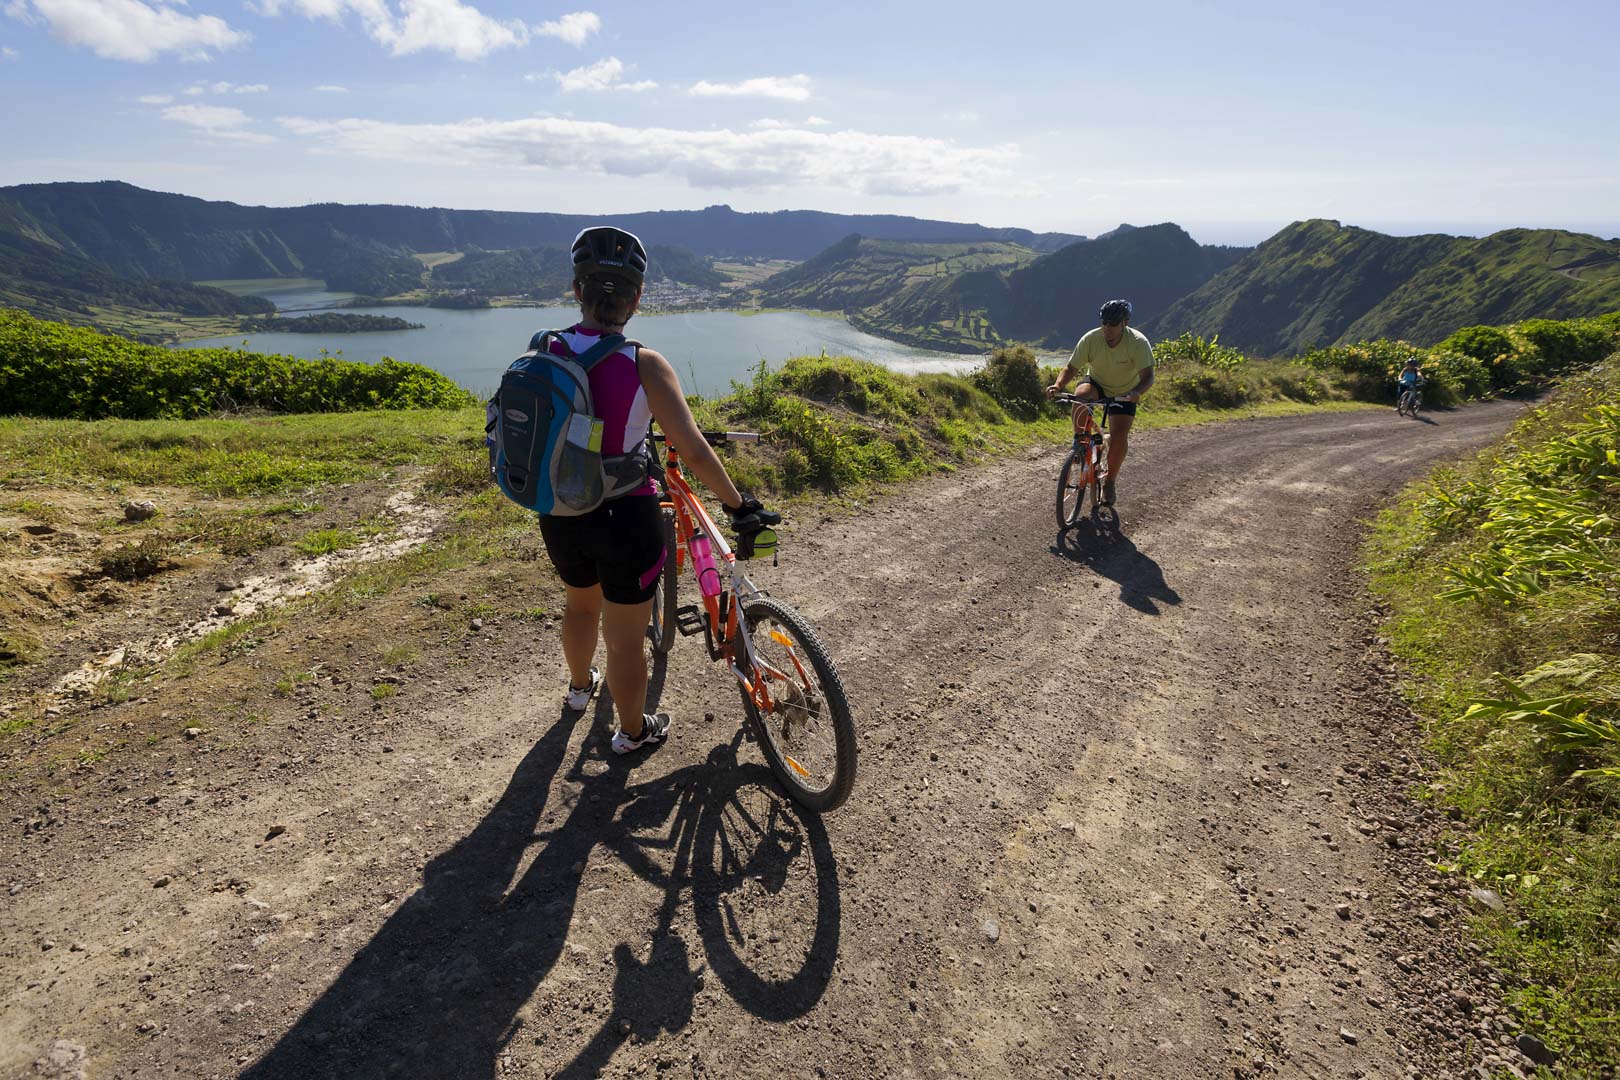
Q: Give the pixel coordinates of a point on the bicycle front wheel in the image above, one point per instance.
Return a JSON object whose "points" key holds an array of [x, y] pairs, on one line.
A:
{"points": [[807, 732], [662, 628], [1071, 492]]}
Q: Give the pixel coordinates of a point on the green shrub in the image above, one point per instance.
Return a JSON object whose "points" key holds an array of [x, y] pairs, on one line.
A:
{"points": [[1562, 345], [1192, 349], [1012, 376], [1454, 377], [66, 372], [1207, 389]]}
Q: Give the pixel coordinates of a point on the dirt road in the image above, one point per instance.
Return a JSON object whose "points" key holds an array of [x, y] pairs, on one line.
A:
{"points": [[1130, 804]]}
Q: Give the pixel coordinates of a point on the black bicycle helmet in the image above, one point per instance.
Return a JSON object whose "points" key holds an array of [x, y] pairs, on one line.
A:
{"points": [[1115, 311], [609, 253]]}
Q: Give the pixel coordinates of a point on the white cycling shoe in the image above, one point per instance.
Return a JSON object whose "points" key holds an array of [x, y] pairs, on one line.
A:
{"points": [[654, 728], [580, 696]]}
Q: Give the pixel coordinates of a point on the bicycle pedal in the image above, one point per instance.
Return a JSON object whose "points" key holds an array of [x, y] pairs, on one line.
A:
{"points": [[689, 620]]}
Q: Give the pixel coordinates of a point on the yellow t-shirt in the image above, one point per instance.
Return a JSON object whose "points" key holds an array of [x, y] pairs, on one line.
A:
{"points": [[1116, 370]]}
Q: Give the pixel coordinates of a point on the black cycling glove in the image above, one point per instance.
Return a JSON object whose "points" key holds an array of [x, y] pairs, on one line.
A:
{"points": [[753, 524]]}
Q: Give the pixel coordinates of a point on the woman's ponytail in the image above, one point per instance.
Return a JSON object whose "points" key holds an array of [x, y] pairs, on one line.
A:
{"points": [[607, 300]]}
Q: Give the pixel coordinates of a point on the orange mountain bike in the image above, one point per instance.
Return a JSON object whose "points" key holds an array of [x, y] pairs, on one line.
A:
{"points": [[1082, 469], [790, 689]]}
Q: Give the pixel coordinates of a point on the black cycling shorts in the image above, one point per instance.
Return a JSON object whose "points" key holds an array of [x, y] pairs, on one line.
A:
{"points": [[619, 545], [1115, 408]]}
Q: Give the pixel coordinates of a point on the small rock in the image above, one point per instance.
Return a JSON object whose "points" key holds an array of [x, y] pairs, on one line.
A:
{"points": [[1464, 1003], [1486, 897], [624, 1027], [226, 608], [140, 510], [477, 624], [193, 732], [991, 930], [162, 882], [275, 831], [146, 1027], [47, 945], [1430, 916], [1349, 1036], [1534, 1049], [1342, 911]]}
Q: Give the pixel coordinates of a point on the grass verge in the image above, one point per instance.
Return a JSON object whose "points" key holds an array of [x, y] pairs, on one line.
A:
{"points": [[1503, 580]]}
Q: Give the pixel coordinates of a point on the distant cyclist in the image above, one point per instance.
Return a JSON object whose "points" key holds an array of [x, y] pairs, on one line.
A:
{"points": [[1118, 364], [1410, 382]]}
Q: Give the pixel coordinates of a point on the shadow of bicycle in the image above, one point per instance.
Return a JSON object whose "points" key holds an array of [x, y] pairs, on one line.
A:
{"points": [[1098, 542], [438, 988]]}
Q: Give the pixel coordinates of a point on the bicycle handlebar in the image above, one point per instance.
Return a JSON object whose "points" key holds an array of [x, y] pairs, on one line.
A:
{"points": [[716, 438], [1070, 399]]}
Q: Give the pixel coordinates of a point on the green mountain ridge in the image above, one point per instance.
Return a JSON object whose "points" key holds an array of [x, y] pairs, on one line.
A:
{"points": [[1320, 283], [141, 233], [969, 296]]}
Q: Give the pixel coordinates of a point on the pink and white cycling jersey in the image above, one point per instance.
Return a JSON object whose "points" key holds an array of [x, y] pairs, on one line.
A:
{"points": [[616, 393]]}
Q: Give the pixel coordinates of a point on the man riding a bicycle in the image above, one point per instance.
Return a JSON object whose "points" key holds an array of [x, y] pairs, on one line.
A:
{"points": [[1118, 365], [1411, 382]]}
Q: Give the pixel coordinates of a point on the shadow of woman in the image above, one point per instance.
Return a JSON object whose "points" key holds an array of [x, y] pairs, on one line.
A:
{"points": [[1098, 543], [436, 992]]}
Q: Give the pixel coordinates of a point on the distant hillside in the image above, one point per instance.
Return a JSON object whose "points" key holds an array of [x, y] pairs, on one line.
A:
{"points": [[143, 233], [966, 296], [859, 271], [1055, 299], [51, 283], [1318, 283]]}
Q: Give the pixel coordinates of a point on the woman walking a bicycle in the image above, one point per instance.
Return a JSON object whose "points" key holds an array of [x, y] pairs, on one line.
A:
{"points": [[610, 558], [1118, 365]]}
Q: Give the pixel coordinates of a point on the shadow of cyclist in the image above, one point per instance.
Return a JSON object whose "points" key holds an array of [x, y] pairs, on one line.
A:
{"points": [[1099, 543], [436, 991]]}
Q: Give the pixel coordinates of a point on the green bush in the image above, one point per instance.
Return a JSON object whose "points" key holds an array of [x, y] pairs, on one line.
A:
{"points": [[1206, 389], [1454, 377], [1192, 349], [1562, 345], [1012, 376], [1506, 357], [66, 372]]}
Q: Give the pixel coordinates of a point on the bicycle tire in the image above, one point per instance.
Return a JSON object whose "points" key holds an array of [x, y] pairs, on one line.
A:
{"points": [[1071, 497], [819, 706], [661, 630]]}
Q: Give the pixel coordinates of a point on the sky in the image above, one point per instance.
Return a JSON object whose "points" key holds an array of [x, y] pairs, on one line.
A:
{"points": [[1231, 119]]}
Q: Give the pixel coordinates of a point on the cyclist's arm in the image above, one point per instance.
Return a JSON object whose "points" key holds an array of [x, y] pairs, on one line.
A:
{"points": [[1069, 372], [1142, 385], [669, 408]]}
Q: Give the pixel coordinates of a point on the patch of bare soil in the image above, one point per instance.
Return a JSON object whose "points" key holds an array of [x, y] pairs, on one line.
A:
{"points": [[1133, 801]]}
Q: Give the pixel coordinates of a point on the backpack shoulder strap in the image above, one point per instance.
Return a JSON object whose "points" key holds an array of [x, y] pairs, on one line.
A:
{"points": [[607, 346]]}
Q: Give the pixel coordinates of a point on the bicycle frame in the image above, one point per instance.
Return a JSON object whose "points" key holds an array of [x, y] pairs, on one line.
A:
{"points": [[1092, 425], [722, 612]]}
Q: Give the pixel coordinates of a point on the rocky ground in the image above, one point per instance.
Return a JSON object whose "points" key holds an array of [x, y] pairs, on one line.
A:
{"points": [[1135, 801]]}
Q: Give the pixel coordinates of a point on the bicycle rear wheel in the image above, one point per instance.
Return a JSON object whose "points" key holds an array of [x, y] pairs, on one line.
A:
{"points": [[662, 630], [1071, 492], [808, 734]]}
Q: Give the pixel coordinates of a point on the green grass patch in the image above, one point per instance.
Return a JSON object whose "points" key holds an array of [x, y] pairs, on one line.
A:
{"points": [[399, 653], [326, 541], [1503, 579], [236, 639], [239, 457]]}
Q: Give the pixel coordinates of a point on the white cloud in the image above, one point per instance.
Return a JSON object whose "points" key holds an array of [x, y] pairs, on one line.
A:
{"points": [[331, 89], [155, 99], [8, 53], [602, 75], [784, 87], [129, 29], [447, 25], [768, 124], [816, 121], [573, 28], [218, 121], [867, 163], [198, 89]]}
